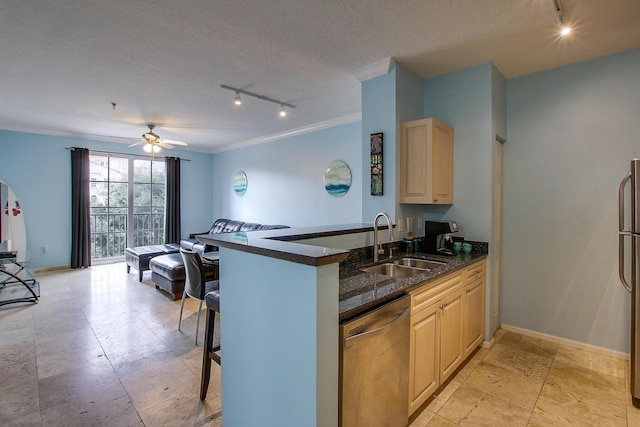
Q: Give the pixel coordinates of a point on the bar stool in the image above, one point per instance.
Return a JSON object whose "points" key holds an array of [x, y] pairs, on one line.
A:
{"points": [[195, 285], [212, 300]]}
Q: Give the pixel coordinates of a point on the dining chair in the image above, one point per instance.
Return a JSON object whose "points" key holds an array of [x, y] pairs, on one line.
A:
{"points": [[195, 285]]}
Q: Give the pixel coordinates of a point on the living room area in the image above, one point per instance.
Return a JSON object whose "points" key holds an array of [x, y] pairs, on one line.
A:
{"points": [[102, 348]]}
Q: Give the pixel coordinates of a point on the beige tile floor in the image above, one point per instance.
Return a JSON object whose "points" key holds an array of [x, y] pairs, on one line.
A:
{"points": [[102, 349]]}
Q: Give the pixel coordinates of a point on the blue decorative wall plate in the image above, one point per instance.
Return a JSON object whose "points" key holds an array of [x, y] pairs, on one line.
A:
{"points": [[240, 183], [337, 178]]}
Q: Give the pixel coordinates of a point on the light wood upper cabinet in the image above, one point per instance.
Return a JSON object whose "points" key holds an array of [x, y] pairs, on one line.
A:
{"points": [[426, 162]]}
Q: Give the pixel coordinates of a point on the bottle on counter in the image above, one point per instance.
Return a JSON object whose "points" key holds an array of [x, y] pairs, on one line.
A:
{"points": [[407, 245], [417, 244]]}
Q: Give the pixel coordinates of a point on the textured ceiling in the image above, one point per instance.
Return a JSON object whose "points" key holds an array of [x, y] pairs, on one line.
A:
{"points": [[163, 61]]}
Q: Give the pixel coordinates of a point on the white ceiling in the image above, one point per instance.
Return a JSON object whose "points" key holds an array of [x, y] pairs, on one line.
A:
{"points": [[163, 61]]}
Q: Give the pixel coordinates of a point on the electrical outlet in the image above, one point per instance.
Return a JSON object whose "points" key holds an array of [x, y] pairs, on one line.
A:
{"points": [[400, 225], [409, 224], [45, 248]]}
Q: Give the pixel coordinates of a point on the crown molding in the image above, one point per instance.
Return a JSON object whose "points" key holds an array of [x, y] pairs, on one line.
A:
{"points": [[351, 118], [376, 69]]}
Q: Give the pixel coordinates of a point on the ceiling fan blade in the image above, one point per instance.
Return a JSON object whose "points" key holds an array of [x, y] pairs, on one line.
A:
{"points": [[165, 145], [173, 142], [136, 143]]}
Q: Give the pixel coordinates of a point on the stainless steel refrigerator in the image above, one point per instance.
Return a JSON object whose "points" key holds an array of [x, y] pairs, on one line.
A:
{"points": [[629, 232]]}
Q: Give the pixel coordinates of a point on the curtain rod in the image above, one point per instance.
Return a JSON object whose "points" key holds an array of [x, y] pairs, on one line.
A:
{"points": [[128, 154]]}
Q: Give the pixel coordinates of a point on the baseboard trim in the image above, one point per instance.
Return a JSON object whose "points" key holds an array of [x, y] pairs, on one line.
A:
{"points": [[488, 344], [567, 342], [55, 268]]}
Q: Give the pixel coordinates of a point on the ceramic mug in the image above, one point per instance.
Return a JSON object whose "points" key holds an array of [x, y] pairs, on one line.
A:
{"points": [[466, 248], [457, 246]]}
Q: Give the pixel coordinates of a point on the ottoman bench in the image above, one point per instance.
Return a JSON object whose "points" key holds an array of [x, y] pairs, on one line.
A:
{"points": [[167, 273], [138, 257]]}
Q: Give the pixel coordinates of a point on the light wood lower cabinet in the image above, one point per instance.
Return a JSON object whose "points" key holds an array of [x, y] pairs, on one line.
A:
{"points": [[447, 324], [450, 337], [473, 307], [424, 376]]}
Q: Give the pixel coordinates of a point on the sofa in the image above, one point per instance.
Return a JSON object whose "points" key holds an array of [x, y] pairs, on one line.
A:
{"points": [[167, 271]]}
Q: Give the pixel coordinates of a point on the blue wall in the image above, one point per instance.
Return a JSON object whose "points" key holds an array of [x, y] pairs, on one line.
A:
{"points": [[572, 133], [285, 180], [379, 115], [464, 100], [38, 169], [473, 102]]}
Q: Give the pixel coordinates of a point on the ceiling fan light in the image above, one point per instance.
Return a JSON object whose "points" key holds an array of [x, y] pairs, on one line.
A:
{"points": [[238, 100], [156, 148], [283, 112]]}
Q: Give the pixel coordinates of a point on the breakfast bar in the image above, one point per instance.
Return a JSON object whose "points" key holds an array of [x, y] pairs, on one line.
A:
{"points": [[284, 296]]}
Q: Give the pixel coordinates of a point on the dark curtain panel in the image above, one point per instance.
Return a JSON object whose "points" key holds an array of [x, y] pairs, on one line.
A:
{"points": [[172, 217], [80, 226]]}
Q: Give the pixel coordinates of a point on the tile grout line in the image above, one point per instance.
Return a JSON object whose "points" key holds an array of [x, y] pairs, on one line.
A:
{"points": [[544, 383], [112, 367]]}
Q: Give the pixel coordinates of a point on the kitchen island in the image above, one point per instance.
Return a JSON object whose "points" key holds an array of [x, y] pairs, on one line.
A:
{"points": [[282, 300]]}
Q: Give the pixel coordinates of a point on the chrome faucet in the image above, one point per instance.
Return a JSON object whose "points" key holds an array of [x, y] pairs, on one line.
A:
{"points": [[377, 247]]}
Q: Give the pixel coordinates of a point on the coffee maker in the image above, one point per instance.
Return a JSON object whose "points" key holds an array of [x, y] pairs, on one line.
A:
{"points": [[437, 237]]}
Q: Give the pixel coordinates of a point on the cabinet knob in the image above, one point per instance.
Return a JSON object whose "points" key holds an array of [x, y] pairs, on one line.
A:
{"points": [[468, 290], [435, 200], [478, 270]]}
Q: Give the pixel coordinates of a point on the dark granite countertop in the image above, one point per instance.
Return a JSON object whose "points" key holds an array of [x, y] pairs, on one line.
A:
{"points": [[278, 243], [361, 291]]}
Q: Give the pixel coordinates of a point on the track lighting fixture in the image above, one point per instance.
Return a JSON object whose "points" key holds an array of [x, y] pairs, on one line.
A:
{"points": [[238, 100], [564, 28]]}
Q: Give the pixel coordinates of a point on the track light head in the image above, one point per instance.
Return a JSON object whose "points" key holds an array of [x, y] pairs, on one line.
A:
{"points": [[564, 28], [238, 100]]}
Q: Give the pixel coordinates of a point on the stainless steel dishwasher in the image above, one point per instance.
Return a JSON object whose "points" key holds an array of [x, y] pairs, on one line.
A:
{"points": [[374, 367]]}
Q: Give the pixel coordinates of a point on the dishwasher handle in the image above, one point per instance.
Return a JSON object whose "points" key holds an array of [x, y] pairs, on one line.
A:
{"points": [[377, 331]]}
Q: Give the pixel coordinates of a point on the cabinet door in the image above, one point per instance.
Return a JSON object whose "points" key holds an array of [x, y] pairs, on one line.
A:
{"points": [[442, 163], [451, 350], [423, 359], [415, 158], [426, 162], [474, 297]]}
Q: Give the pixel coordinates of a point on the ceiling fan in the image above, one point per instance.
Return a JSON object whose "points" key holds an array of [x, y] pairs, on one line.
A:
{"points": [[153, 143]]}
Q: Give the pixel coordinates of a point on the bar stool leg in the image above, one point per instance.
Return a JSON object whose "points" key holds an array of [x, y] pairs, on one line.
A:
{"points": [[206, 349], [184, 295], [198, 320]]}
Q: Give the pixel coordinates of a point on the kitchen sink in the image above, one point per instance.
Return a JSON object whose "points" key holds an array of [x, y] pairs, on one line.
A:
{"points": [[420, 263], [395, 270]]}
